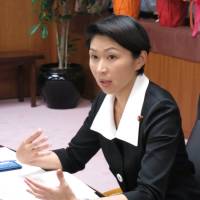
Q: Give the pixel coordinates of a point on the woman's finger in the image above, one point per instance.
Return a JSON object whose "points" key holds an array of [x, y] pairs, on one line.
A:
{"points": [[32, 187], [35, 135], [39, 196], [35, 185], [38, 190], [40, 140], [42, 147], [60, 176]]}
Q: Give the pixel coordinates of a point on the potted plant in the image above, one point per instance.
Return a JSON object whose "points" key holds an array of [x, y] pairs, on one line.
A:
{"points": [[62, 74]]}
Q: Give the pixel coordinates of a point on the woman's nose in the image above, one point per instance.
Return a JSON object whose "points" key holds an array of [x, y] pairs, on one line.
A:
{"points": [[101, 67]]}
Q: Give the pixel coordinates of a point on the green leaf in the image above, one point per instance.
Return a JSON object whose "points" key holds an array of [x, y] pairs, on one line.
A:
{"points": [[34, 1], [34, 28], [46, 4], [44, 32]]}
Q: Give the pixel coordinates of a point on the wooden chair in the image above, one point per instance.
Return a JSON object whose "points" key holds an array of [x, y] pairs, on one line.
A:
{"points": [[193, 144], [111, 192]]}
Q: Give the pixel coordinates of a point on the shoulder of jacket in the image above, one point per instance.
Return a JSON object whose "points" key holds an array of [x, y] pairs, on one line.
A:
{"points": [[156, 93]]}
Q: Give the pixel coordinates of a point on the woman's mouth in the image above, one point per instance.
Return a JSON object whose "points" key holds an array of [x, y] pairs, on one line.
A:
{"points": [[105, 83]]}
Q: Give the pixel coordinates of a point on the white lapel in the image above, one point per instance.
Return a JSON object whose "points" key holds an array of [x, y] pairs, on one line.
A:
{"points": [[128, 129]]}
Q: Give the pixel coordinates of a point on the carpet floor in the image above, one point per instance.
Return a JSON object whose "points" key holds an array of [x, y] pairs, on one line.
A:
{"points": [[19, 120]]}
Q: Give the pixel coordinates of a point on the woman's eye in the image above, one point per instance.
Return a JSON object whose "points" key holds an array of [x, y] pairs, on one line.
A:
{"points": [[94, 57], [112, 57]]}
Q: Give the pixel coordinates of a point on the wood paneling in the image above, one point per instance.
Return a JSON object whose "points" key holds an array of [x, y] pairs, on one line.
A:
{"points": [[16, 19], [178, 76], [182, 79]]}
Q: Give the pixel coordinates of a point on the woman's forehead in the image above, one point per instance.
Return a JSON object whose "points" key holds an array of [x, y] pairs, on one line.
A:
{"points": [[104, 43]]}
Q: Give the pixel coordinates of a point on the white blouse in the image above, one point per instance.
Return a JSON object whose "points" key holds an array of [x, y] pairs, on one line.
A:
{"points": [[128, 129]]}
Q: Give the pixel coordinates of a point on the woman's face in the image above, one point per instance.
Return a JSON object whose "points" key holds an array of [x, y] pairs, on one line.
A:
{"points": [[113, 66]]}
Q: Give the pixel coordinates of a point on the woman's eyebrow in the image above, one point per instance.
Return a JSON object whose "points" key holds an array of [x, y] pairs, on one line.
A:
{"points": [[107, 49], [91, 49]]}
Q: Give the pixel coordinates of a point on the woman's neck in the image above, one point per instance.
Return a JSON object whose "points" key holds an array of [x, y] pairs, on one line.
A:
{"points": [[118, 110], [120, 103]]}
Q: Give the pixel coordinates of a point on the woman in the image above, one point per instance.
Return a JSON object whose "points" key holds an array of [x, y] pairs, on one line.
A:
{"points": [[136, 123]]}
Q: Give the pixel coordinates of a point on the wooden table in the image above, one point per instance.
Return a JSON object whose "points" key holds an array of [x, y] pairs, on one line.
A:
{"points": [[23, 59]]}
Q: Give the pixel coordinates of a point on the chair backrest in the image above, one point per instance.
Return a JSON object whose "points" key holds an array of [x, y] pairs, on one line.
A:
{"points": [[193, 144]]}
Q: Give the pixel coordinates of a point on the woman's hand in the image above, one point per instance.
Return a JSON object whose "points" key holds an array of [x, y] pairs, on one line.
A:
{"points": [[61, 192], [33, 148]]}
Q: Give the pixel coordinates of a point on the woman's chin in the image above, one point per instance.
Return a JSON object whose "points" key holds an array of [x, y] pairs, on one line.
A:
{"points": [[107, 91]]}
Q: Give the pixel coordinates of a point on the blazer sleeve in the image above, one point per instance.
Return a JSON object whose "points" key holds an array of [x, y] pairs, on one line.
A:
{"points": [[162, 131], [83, 146]]}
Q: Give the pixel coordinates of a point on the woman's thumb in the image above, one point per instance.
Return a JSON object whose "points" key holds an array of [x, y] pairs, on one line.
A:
{"points": [[60, 176]]}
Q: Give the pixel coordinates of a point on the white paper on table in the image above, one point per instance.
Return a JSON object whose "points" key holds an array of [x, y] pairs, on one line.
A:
{"points": [[13, 187], [79, 188], [7, 154]]}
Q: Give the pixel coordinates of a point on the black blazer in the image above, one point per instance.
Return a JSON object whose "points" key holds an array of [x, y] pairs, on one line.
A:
{"points": [[157, 169]]}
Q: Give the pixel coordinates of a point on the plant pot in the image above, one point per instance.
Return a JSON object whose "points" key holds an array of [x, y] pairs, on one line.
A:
{"points": [[61, 88]]}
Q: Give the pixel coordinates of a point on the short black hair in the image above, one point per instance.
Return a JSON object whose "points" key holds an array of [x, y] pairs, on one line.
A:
{"points": [[124, 30]]}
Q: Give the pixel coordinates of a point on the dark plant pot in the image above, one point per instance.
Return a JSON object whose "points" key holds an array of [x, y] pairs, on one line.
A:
{"points": [[61, 88]]}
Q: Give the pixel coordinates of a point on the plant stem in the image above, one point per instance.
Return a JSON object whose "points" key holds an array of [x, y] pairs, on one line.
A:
{"points": [[58, 48], [66, 42]]}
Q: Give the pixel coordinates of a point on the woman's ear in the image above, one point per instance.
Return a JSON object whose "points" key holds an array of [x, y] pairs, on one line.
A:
{"points": [[141, 60]]}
